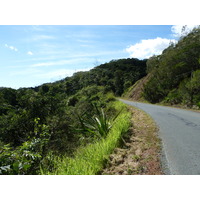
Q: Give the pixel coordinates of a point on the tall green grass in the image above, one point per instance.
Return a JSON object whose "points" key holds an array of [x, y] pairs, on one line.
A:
{"points": [[90, 160]]}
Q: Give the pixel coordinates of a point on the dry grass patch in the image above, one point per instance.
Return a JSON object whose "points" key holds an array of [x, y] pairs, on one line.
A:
{"points": [[140, 154]]}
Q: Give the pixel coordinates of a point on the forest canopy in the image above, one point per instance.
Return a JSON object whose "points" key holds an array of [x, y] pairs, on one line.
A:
{"points": [[39, 123], [175, 74]]}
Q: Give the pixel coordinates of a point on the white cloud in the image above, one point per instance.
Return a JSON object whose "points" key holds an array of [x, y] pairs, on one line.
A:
{"points": [[85, 45], [30, 53], [46, 64], [177, 30], [82, 35], [60, 62], [11, 47], [42, 37], [148, 48], [36, 28], [60, 73], [25, 71]]}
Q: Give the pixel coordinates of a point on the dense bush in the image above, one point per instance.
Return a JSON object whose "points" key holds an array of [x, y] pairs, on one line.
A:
{"points": [[24, 149], [26, 158], [175, 73]]}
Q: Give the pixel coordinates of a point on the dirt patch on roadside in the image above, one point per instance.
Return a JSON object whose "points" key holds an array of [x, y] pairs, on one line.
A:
{"points": [[140, 153], [135, 93]]}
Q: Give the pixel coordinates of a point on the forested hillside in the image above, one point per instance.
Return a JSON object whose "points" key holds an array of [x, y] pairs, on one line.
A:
{"points": [[54, 119], [43, 124], [175, 74]]}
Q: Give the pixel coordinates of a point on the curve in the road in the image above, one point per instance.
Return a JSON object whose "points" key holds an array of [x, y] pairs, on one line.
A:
{"points": [[180, 134]]}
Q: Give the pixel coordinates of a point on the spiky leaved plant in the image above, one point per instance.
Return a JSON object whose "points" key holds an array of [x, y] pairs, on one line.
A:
{"points": [[99, 125]]}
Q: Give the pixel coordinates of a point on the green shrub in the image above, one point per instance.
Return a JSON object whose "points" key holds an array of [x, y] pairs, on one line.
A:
{"points": [[198, 104], [173, 97], [91, 159], [98, 125], [25, 159]]}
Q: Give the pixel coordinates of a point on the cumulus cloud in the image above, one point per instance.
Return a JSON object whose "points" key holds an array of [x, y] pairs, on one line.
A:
{"points": [[30, 53], [181, 30], [11, 47], [149, 47]]}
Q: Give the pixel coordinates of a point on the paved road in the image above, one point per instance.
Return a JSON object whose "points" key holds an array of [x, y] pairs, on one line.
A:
{"points": [[180, 134]]}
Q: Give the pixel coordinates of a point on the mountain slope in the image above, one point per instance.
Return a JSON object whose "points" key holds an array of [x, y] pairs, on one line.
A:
{"points": [[136, 91], [173, 76], [50, 120]]}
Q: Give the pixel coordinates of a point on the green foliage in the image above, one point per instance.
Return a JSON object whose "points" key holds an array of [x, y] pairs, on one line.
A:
{"points": [[98, 125], [55, 104], [152, 63], [173, 97], [8, 96], [175, 73], [89, 160], [112, 76], [25, 159], [189, 89]]}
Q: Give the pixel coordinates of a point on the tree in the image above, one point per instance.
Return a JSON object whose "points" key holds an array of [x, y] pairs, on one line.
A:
{"points": [[176, 64]]}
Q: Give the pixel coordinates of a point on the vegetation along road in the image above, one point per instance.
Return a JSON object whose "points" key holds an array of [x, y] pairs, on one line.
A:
{"points": [[180, 133]]}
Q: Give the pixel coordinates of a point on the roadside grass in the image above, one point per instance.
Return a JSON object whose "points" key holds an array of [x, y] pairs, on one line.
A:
{"points": [[140, 154], [91, 159]]}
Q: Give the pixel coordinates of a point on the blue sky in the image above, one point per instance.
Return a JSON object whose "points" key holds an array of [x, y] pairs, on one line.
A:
{"points": [[31, 55]]}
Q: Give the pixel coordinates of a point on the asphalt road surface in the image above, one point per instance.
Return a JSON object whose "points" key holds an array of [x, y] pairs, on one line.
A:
{"points": [[179, 130]]}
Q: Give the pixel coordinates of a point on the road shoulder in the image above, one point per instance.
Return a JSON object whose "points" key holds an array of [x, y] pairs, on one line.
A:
{"points": [[141, 150]]}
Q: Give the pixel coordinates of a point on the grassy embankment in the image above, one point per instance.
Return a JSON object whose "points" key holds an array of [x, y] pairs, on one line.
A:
{"points": [[91, 159], [140, 154]]}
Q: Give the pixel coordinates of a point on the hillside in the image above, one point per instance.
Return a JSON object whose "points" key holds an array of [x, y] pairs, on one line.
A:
{"points": [[174, 76], [135, 92], [44, 124], [55, 119]]}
